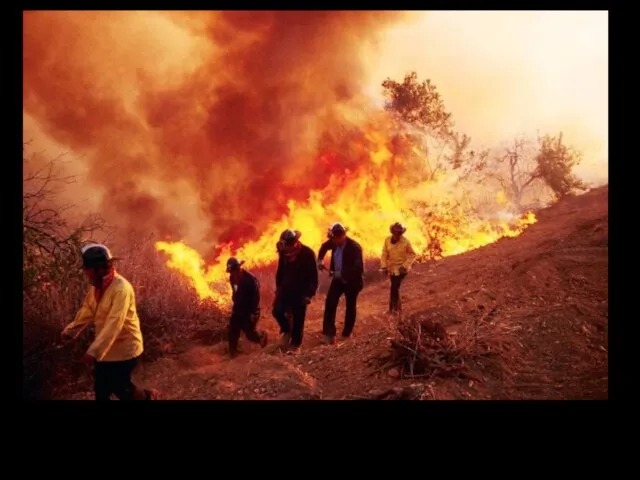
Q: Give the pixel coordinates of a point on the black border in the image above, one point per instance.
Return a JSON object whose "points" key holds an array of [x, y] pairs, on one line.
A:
{"points": [[574, 416]]}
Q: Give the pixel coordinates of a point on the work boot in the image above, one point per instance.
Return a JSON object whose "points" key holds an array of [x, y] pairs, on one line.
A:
{"points": [[263, 339], [285, 340], [327, 340]]}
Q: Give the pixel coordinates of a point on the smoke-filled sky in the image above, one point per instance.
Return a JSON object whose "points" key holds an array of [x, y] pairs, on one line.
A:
{"points": [[202, 125], [505, 73]]}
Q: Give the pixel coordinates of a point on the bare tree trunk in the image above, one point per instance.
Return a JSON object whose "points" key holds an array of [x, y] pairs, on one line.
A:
{"points": [[517, 199]]}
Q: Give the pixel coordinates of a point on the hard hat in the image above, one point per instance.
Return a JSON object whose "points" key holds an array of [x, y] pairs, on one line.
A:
{"points": [[95, 254], [289, 237], [233, 263], [337, 229], [397, 228]]}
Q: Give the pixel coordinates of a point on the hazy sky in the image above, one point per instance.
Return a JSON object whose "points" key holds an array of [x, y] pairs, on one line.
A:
{"points": [[504, 73]]}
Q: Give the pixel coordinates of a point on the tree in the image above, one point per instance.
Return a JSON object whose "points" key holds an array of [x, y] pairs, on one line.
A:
{"points": [[50, 244], [522, 165], [417, 103], [515, 170], [420, 106], [555, 163]]}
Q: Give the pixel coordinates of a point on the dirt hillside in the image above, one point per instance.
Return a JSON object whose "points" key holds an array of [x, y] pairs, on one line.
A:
{"points": [[547, 290]]}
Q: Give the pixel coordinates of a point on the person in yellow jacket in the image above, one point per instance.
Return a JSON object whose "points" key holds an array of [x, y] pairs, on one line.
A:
{"points": [[110, 305], [396, 261]]}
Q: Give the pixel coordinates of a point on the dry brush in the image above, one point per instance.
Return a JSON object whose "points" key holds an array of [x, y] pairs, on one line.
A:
{"points": [[54, 286]]}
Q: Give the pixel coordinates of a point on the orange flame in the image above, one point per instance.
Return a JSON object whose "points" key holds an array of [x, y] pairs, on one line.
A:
{"points": [[367, 200]]}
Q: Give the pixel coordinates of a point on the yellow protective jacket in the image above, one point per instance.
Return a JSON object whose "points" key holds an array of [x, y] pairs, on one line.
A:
{"points": [[117, 326], [396, 255]]}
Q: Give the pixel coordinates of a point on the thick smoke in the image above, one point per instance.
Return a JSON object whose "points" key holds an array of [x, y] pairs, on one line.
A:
{"points": [[219, 110]]}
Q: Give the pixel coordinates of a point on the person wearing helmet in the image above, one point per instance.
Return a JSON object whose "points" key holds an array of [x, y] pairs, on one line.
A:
{"points": [[296, 285], [111, 306], [280, 249], [286, 237], [347, 272], [245, 312], [396, 261]]}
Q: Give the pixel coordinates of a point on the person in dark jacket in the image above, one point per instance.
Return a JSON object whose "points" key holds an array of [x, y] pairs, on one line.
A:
{"points": [[280, 249], [245, 312], [347, 270], [296, 285]]}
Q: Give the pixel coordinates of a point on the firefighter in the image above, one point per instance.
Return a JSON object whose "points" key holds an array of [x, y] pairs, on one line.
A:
{"points": [[111, 306], [396, 261], [347, 272], [279, 249], [296, 285], [245, 312]]}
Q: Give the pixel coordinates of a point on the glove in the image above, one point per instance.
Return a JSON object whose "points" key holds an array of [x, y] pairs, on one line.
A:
{"points": [[402, 270]]}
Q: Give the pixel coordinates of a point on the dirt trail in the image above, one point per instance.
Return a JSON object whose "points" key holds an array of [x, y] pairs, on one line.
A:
{"points": [[318, 372], [549, 286]]}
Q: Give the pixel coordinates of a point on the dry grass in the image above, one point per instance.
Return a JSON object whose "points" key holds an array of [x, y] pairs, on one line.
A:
{"points": [[170, 311]]}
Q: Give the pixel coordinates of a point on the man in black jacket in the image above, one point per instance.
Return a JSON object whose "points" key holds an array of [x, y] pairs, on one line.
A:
{"points": [[246, 306], [296, 285], [347, 270]]}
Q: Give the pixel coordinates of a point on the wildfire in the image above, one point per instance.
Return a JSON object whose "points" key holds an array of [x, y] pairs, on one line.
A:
{"points": [[367, 200]]}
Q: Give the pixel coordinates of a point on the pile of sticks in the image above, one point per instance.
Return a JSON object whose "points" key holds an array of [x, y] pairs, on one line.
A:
{"points": [[424, 349]]}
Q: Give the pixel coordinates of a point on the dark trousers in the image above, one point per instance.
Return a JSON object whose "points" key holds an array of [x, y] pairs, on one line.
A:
{"points": [[336, 290], [298, 309], [115, 378], [241, 323], [395, 304]]}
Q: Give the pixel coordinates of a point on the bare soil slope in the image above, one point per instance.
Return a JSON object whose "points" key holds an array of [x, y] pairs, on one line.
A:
{"points": [[548, 288]]}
